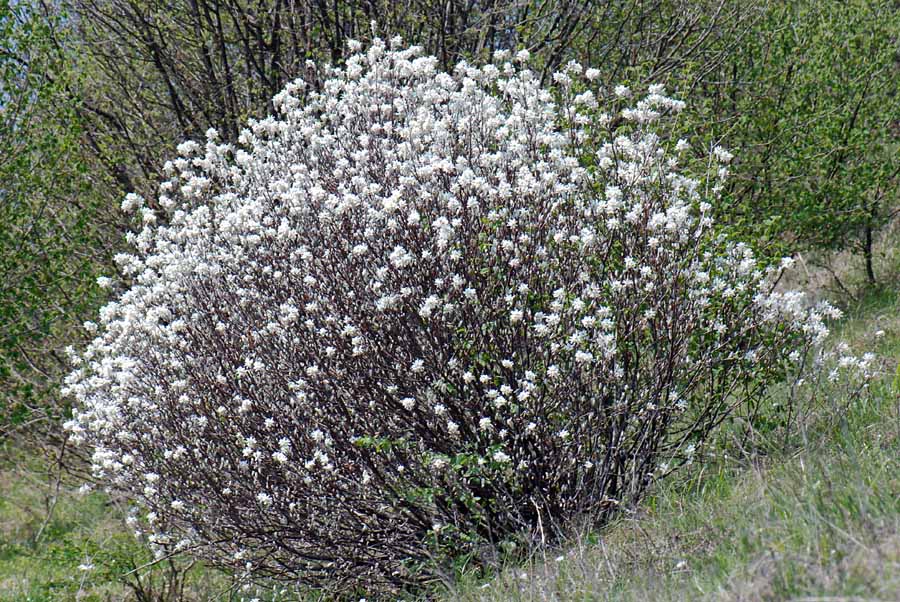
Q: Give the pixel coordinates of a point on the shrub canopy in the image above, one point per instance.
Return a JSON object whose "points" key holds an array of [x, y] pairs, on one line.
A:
{"points": [[420, 311]]}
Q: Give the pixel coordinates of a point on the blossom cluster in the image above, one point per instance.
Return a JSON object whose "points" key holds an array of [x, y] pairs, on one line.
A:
{"points": [[418, 310]]}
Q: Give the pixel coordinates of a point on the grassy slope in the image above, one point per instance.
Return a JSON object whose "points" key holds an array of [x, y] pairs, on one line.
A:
{"points": [[815, 518], [83, 551]]}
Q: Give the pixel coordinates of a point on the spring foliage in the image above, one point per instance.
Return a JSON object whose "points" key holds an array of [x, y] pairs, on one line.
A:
{"points": [[51, 222], [421, 311]]}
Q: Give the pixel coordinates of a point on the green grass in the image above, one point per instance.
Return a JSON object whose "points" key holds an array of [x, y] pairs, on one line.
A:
{"points": [[819, 526], [44, 559]]}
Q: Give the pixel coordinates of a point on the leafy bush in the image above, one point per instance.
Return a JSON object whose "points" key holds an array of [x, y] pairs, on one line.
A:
{"points": [[419, 312], [52, 243], [811, 100]]}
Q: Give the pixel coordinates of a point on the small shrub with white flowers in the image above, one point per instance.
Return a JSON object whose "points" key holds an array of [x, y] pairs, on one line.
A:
{"points": [[420, 311]]}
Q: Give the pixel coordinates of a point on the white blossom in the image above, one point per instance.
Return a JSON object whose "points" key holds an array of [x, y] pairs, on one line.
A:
{"points": [[404, 270]]}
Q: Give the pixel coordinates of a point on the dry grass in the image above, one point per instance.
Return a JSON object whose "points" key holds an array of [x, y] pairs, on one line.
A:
{"points": [[824, 522]]}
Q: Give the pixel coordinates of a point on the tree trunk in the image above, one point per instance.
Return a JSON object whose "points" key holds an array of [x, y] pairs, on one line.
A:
{"points": [[867, 252]]}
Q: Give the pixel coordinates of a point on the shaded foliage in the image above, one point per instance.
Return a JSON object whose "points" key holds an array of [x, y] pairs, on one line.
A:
{"points": [[53, 214], [811, 102]]}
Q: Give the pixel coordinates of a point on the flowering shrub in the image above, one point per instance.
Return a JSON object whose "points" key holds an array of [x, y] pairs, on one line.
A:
{"points": [[420, 311]]}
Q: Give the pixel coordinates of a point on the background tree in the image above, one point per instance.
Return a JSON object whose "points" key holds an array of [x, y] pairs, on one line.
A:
{"points": [[54, 219], [162, 72], [804, 88], [811, 102]]}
